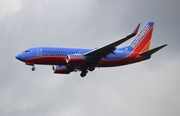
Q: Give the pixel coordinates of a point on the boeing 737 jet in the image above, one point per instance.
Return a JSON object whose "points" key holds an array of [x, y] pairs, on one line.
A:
{"points": [[67, 60]]}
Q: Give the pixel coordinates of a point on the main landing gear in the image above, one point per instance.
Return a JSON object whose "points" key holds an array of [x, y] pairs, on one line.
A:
{"points": [[83, 73], [91, 68]]}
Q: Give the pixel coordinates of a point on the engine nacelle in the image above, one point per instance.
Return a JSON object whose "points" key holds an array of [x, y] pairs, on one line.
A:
{"points": [[75, 60], [61, 69]]}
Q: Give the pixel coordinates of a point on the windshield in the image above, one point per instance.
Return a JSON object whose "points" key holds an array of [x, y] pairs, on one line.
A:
{"points": [[26, 51]]}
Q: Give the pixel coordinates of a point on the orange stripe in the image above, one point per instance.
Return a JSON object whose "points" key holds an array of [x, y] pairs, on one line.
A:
{"points": [[145, 48]]}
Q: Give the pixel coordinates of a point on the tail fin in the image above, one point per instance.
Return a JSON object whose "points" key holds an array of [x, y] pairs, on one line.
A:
{"points": [[142, 40]]}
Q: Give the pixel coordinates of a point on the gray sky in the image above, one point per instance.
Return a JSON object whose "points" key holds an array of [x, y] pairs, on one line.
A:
{"points": [[149, 88]]}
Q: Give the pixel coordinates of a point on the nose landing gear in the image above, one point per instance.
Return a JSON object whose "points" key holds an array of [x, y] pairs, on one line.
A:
{"points": [[33, 68], [31, 64]]}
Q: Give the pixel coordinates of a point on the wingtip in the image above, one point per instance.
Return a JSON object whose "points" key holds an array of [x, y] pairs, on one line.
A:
{"points": [[136, 29]]}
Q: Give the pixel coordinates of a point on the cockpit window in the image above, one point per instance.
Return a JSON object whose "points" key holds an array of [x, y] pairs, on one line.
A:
{"points": [[27, 51]]}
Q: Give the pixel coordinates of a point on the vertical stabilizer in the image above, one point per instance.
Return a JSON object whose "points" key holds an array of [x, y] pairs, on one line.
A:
{"points": [[142, 40]]}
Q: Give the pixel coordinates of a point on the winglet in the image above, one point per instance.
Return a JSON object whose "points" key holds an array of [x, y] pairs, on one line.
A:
{"points": [[111, 46], [136, 29], [150, 52]]}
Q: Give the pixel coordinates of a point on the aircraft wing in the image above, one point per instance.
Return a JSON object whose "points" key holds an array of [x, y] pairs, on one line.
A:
{"points": [[105, 50]]}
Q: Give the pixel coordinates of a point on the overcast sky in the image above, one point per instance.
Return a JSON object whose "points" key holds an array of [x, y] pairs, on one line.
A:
{"points": [[149, 88]]}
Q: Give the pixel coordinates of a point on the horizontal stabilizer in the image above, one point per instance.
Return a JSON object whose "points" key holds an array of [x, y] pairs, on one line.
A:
{"points": [[150, 52]]}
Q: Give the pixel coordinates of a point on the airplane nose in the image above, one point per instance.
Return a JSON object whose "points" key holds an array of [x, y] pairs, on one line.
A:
{"points": [[19, 57]]}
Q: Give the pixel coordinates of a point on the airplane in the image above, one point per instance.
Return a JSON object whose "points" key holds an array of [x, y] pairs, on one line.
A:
{"points": [[67, 60]]}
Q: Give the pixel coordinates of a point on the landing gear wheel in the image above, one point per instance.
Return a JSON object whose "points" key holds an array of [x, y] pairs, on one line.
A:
{"points": [[83, 74], [33, 68], [91, 68]]}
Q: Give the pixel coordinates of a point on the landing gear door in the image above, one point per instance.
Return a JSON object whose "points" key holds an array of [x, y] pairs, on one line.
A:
{"points": [[39, 51]]}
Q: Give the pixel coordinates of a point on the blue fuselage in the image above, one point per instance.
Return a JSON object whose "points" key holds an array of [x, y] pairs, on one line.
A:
{"points": [[57, 56]]}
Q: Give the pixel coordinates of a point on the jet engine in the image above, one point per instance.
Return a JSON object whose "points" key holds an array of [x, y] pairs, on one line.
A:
{"points": [[75, 60], [61, 69]]}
